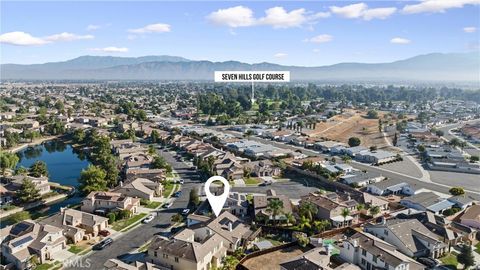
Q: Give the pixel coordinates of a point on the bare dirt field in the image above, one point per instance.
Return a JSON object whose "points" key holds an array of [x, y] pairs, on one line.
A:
{"points": [[274, 259], [352, 124]]}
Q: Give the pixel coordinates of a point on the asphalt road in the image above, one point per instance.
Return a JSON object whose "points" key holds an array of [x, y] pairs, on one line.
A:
{"points": [[139, 235], [448, 135]]}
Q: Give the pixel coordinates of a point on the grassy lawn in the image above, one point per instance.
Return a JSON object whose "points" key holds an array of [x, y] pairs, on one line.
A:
{"points": [[252, 181], [450, 261], [75, 249], [46, 266], [477, 248], [153, 205], [169, 186], [275, 240], [121, 224]]}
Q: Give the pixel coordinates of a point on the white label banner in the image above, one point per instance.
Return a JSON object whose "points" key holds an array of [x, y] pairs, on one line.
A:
{"points": [[252, 76]]}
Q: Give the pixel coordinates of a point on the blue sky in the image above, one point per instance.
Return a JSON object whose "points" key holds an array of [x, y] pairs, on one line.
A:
{"points": [[310, 33]]}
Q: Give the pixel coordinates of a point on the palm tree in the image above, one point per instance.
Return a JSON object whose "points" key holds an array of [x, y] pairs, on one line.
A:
{"points": [[360, 207], [345, 213], [304, 223], [290, 218], [229, 263], [274, 206], [321, 225], [308, 210]]}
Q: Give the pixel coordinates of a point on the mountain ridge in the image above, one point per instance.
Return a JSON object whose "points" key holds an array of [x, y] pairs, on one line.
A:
{"points": [[426, 67]]}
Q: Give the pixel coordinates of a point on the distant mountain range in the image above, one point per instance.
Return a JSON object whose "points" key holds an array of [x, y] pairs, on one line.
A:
{"points": [[430, 67]]}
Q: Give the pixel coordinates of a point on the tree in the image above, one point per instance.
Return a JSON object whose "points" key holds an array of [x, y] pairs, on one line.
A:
{"points": [[455, 191], [151, 149], [465, 257], [92, 179], [372, 114], [111, 217], [455, 142], [274, 206], [155, 136], [38, 169], [19, 216], [308, 210], [290, 218], [304, 223], [474, 159], [21, 171], [194, 197], [421, 148], [321, 225], [229, 262], [8, 161], [346, 159], [345, 213], [439, 133], [375, 210], [354, 141], [177, 218], [28, 192]]}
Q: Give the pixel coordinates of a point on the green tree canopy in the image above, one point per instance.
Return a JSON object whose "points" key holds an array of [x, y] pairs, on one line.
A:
{"points": [[28, 192], [92, 179]]}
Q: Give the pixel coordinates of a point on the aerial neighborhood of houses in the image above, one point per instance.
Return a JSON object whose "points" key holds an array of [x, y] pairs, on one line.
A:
{"points": [[317, 184]]}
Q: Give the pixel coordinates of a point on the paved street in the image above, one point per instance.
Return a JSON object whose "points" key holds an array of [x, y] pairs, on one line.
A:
{"points": [[470, 149], [144, 232]]}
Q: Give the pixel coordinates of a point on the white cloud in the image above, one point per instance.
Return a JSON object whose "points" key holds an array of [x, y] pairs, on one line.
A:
{"points": [[378, 13], [433, 6], [238, 16], [399, 40], [320, 39], [280, 55], [277, 17], [152, 28], [469, 29], [362, 11], [25, 39], [65, 36], [21, 39], [111, 49], [93, 27]]}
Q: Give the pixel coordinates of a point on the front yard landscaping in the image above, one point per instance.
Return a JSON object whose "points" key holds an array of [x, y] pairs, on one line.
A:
{"points": [[450, 261], [75, 249], [122, 224], [252, 181]]}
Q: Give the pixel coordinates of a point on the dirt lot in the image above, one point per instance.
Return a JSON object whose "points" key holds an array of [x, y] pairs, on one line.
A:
{"points": [[351, 124], [274, 259]]}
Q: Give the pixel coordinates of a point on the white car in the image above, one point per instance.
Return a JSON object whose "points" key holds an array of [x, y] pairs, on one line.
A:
{"points": [[185, 211], [181, 182], [148, 219]]}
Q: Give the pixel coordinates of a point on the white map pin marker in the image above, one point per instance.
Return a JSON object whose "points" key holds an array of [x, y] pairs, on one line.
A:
{"points": [[217, 202]]}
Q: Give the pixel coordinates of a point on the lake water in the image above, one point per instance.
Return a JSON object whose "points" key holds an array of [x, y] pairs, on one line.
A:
{"points": [[63, 164]]}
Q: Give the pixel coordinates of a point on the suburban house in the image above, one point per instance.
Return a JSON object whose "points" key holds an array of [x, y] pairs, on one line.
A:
{"points": [[188, 250], [116, 264], [14, 182], [141, 188], [370, 252], [137, 161], [471, 217], [327, 146], [236, 204], [317, 258], [391, 186], [370, 201], [24, 240], [155, 175], [260, 206], [331, 205], [452, 232], [77, 225], [101, 202], [361, 179], [427, 201], [262, 168], [376, 157], [410, 236]]}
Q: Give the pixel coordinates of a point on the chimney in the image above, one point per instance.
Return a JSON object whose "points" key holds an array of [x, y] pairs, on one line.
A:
{"points": [[230, 226]]}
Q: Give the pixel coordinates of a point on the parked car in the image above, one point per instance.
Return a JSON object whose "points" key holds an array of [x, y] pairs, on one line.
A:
{"points": [[167, 205], [105, 243], [185, 211], [181, 181], [177, 194], [428, 262], [266, 183], [148, 219], [104, 233]]}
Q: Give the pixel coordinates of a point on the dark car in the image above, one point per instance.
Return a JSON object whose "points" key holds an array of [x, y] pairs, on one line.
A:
{"points": [[177, 194], [105, 243], [429, 262], [104, 233]]}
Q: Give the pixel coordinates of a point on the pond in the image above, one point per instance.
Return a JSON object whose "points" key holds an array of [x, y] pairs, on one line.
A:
{"points": [[63, 163], [64, 166]]}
